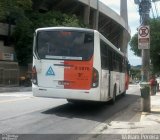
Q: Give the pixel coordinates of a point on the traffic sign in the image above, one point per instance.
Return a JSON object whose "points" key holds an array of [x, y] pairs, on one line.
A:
{"points": [[144, 37]]}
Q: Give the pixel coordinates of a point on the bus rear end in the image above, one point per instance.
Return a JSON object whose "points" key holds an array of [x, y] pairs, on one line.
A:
{"points": [[63, 64]]}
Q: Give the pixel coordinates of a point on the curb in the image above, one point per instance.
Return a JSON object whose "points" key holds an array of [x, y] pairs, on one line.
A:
{"points": [[15, 89]]}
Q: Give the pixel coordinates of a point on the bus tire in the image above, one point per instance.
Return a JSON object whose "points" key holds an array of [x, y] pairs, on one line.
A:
{"points": [[114, 96]]}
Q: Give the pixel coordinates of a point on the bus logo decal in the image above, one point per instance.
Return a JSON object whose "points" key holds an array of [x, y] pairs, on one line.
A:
{"points": [[50, 71]]}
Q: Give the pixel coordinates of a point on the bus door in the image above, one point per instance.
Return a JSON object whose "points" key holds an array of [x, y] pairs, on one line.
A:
{"points": [[67, 59], [104, 85], [105, 74]]}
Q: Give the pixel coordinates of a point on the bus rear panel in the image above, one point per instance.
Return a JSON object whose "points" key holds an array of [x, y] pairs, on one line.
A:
{"points": [[63, 64]]}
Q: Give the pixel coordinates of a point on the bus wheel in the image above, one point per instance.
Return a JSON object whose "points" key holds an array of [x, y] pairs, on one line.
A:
{"points": [[114, 96]]}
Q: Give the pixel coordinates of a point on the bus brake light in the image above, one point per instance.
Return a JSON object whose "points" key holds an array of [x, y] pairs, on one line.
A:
{"points": [[34, 76], [95, 78]]}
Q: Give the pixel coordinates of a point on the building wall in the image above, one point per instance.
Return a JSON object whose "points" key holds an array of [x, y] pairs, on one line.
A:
{"points": [[9, 70], [6, 49], [6, 53]]}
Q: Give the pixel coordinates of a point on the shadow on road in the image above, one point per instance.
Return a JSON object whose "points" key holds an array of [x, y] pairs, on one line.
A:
{"points": [[94, 111]]}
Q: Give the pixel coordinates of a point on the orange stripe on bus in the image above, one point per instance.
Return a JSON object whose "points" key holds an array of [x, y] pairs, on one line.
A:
{"points": [[78, 75]]}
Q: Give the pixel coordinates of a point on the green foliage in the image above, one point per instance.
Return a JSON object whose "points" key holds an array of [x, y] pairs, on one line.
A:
{"points": [[135, 72], [13, 8], [154, 44], [134, 45], [24, 4], [23, 41], [3, 4]]}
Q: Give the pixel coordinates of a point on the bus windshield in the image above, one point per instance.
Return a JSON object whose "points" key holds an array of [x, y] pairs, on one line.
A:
{"points": [[65, 45]]}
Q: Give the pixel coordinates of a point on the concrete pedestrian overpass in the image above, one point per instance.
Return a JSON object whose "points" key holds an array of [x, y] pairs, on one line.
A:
{"points": [[95, 14]]}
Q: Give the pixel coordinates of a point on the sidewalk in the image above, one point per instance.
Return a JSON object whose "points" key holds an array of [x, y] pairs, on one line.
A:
{"points": [[15, 89], [149, 123]]}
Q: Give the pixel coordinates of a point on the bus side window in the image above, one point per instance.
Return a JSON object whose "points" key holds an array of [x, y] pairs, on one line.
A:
{"points": [[120, 64], [110, 60], [114, 60], [124, 65], [104, 55]]}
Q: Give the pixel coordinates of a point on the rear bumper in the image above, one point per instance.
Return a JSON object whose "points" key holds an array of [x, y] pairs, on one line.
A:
{"points": [[92, 95]]}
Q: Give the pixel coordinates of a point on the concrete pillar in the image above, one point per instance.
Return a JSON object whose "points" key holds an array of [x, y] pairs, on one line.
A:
{"points": [[95, 18], [87, 13], [123, 10], [124, 42], [125, 37]]}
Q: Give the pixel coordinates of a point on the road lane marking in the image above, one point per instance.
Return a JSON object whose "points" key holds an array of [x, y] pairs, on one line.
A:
{"points": [[14, 100]]}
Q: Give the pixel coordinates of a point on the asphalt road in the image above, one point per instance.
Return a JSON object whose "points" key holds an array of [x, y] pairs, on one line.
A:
{"points": [[21, 113]]}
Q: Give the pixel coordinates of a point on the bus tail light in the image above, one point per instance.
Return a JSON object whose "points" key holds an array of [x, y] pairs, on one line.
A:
{"points": [[95, 78], [34, 76]]}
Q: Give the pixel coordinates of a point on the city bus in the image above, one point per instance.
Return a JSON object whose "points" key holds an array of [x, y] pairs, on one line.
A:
{"points": [[77, 64]]}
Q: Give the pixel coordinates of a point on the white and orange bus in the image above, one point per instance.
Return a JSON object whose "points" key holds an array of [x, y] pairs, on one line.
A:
{"points": [[77, 64]]}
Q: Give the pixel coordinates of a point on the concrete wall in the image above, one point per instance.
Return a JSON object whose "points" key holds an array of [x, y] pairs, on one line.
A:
{"points": [[4, 33], [6, 49], [9, 70]]}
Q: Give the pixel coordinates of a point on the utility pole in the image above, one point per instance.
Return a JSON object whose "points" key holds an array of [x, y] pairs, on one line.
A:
{"points": [[124, 10], [144, 10]]}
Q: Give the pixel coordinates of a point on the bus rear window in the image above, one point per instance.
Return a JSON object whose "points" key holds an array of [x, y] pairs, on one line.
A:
{"points": [[65, 45]]}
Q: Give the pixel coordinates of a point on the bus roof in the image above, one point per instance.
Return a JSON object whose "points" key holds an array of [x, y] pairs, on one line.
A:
{"points": [[65, 28]]}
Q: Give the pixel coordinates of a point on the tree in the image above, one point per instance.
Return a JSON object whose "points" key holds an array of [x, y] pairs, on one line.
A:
{"points": [[134, 45], [13, 8], [154, 44], [135, 73]]}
